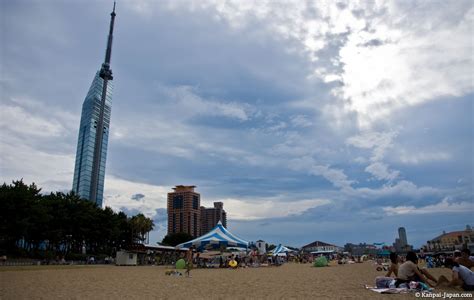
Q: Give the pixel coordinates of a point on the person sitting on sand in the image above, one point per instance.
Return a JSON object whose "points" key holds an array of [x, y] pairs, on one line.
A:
{"points": [[464, 258], [409, 271], [461, 276], [393, 266]]}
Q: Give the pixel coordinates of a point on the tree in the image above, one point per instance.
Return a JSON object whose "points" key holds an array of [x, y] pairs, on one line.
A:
{"points": [[17, 202], [62, 223], [141, 226], [176, 238]]}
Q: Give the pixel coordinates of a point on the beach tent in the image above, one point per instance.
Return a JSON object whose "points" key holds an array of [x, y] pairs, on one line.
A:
{"points": [[217, 237], [280, 250]]}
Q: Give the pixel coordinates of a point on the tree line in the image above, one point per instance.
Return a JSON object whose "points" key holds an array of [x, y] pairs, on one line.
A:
{"points": [[37, 225]]}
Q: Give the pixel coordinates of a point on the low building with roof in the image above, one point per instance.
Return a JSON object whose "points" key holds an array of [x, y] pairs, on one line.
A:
{"points": [[361, 249], [318, 247], [450, 241]]}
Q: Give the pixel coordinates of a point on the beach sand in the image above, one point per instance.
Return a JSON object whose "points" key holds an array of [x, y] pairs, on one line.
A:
{"points": [[290, 281]]}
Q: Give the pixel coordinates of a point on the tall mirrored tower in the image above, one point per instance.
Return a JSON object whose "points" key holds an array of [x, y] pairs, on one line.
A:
{"points": [[91, 154]]}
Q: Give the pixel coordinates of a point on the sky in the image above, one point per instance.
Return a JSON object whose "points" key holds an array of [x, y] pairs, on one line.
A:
{"points": [[309, 120]]}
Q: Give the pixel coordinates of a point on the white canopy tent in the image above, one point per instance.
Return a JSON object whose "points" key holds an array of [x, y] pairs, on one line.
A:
{"points": [[280, 250], [217, 237]]}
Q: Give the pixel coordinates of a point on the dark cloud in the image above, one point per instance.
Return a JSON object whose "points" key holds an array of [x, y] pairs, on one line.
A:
{"points": [[341, 5], [373, 43], [137, 197]]}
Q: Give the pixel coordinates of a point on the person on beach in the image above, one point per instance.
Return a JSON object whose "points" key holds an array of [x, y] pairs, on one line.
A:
{"points": [[393, 269], [189, 261], [409, 271], [464, 258], [461, 276]]}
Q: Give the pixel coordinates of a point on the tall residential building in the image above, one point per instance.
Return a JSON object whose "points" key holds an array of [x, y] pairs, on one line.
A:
{"points": [[210, 217], [89, 171], [401, 243], [184, 214], [403, 235]]}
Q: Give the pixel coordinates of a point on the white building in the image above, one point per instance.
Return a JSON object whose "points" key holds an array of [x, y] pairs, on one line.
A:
{"points": [[125, 258], [261, 247], [321, 247]]}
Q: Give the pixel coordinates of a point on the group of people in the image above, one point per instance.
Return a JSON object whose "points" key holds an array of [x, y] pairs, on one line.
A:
{"points": [[232, 261], [460, 264]]}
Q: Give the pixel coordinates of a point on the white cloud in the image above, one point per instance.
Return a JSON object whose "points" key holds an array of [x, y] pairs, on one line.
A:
{"points": [[20, 121], [50, 171], [336, 176], [300, 121], [119, 192], [414, 63], [192, 104], [401, 188], [378, 141], [381, 171], [268, 208], [420, 157], [442, 207]]}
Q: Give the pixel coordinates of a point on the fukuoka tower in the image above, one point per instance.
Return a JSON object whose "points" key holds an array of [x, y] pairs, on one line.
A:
{"points": [[91, 154]]}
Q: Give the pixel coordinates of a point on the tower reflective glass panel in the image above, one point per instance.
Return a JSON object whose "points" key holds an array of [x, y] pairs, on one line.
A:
{"points": [[82, 183]]}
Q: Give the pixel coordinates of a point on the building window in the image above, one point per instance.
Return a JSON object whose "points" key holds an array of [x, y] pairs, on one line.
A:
{"points": [[195, 202], [195, 224], [178, 202], [174, 223], [189, 224]]}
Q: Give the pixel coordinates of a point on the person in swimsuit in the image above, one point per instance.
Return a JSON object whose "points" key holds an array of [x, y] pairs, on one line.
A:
{"points": [[189, 261], [393, 269]]}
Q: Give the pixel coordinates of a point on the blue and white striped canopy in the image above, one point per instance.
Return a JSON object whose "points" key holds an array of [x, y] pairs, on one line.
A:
{"points": [[280, 249], [218, 236]]}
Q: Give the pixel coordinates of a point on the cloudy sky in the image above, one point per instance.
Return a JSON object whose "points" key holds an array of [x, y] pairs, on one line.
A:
{"points": [[312, 120]]}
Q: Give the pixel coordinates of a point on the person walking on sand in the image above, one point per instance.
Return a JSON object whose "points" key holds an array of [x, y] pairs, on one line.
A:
{"points": [[189, 261]]}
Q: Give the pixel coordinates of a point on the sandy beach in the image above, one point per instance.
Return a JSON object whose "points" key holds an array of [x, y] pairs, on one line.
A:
{"points": [[290, 281]]}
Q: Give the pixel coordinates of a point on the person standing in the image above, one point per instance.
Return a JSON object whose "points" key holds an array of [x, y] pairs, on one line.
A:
{"points": [[189, 261]]}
